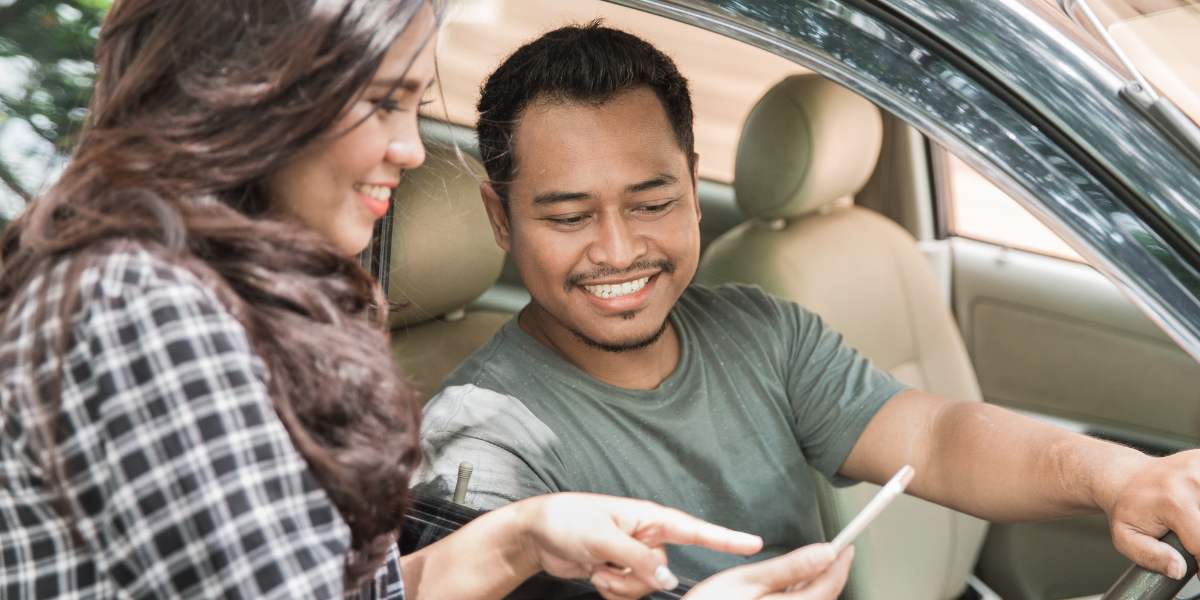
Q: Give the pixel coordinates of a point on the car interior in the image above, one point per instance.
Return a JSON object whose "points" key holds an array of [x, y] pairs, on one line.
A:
{"points": [[835, 204]]}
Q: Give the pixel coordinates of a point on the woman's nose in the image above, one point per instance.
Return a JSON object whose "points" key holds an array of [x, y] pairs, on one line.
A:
{"points": [[406, 154]]}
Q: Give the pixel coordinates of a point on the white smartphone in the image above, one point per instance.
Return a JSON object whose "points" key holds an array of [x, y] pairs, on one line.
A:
{"points": [[883, 497]]}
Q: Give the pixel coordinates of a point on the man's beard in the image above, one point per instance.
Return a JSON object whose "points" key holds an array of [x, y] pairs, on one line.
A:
{"points": [[663, 265], [625, 346]]}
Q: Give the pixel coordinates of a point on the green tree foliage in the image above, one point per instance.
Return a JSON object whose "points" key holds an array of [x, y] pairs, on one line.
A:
{"points": [[51, 43]]}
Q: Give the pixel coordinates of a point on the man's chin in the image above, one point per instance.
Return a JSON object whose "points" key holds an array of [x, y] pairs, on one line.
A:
{"points": [[623, 345]]}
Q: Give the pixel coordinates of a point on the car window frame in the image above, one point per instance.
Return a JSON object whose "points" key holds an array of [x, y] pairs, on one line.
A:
{"points": [[1116, 214]]}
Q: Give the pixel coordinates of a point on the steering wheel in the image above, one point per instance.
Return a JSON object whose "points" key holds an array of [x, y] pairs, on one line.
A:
{"points": [[1142, 584]]}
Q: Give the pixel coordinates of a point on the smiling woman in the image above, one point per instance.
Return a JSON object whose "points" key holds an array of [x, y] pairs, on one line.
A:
{"points": [[371, 145]]}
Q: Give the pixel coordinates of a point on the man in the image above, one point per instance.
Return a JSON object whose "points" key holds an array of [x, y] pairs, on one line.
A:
{"points": [[621, 377]]}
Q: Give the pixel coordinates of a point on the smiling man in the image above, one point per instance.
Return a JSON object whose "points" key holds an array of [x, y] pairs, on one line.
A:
{"points": [[621, 377]]}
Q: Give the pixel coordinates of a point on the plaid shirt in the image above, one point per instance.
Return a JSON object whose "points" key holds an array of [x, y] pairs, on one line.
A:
{"points": [[181, 479]]}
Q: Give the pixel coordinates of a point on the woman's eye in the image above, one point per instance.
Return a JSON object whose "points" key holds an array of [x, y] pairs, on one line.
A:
{"points": [[388, 105]]}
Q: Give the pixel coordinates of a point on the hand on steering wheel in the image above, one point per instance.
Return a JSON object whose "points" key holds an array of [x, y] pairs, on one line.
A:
{"points": [[1139, 583], [1162, 495]]}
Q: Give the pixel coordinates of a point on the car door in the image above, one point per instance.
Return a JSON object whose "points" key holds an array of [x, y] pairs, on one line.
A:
{"points": [[997, 85], [1052, 337]]}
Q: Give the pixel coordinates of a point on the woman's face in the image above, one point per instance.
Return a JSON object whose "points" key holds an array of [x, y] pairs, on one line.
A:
{"points": [[341, 185]]}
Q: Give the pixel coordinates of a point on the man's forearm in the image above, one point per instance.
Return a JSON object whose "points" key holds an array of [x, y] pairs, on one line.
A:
{"points": [[991, 462]]}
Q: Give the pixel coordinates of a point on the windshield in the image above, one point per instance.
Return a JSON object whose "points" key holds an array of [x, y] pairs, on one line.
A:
{"points": [[1160, 38]]}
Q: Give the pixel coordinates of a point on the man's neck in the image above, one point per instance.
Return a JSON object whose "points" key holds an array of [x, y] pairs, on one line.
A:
{"points": [[640, 369]]}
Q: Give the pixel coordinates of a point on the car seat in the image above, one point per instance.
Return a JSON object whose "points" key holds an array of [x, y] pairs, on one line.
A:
{"points": [[806, 149], [443, 256]]}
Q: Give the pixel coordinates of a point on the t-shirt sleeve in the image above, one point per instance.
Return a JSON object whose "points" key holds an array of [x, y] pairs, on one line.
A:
{"points": [[193, 485], [497, 436], [834, 390]]}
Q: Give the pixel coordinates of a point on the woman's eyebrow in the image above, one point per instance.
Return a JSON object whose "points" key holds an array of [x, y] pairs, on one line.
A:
{"points": [[407, 84]]}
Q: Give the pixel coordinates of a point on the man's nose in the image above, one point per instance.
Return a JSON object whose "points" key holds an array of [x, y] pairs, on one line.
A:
{"points": [[618, 245]]}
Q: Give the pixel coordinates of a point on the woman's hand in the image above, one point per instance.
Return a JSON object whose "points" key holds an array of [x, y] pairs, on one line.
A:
{"points": [[809, 573], [617, 542]]}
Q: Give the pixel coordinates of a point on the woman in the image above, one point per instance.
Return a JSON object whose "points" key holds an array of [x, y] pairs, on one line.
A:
{"points": [[197, 394]]}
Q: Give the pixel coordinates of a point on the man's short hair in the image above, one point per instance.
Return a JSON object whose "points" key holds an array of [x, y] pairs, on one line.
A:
{"points": [[579, 63]]}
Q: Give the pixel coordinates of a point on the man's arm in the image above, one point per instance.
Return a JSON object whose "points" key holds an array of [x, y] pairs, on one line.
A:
{"points": [[498, 476], [496, 434], [1002, 466]]}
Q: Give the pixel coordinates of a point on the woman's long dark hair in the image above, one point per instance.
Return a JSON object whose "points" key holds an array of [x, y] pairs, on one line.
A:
{"points": [[196, 102]]}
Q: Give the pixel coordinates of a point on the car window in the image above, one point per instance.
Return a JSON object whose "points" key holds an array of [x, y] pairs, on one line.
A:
{"points": [[1160, 38], [727, 77], [978, 209]]}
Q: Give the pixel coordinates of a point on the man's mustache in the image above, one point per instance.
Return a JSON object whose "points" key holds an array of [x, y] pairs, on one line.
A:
{"points": [[662, 264]]}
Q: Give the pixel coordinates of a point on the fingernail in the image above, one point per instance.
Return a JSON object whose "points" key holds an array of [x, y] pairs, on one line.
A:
{"points": [[665, 579], [1177, 569]]}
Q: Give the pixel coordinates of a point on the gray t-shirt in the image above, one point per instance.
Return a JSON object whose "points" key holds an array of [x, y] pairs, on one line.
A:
{"points": [[763, 389]]}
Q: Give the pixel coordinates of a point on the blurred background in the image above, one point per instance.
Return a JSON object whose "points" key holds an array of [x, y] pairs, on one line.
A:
{"points": [[46, 75]]}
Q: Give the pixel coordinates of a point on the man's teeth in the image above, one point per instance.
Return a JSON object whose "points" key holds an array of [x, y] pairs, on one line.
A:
{"points": [[378, 192], [617, 290]]}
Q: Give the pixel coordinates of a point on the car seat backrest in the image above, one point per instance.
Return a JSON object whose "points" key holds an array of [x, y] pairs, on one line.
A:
{"points": [[806, 149], [806, 145], [443, 256]]}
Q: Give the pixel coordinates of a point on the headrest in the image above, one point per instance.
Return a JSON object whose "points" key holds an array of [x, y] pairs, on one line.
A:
{"points": [[443, 253], [807, 143]]}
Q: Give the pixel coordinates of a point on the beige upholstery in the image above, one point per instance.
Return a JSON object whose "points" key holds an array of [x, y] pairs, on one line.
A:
{"points": [[443, 257], [822, 154], [864, 275]]}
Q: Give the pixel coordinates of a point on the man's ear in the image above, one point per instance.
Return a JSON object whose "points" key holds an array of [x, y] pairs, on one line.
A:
{"points": [[696, 183], [497, 215]]}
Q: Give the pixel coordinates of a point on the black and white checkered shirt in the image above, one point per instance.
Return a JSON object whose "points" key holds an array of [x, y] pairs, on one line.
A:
{"points": [[182, 480]]}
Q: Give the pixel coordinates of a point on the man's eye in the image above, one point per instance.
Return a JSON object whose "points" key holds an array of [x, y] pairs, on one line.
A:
{"points": [[568, 221], [654, 209]]}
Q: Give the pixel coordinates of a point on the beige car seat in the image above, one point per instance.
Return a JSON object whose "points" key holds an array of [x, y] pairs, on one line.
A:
{"points": [[442, 257], [807, 148]]}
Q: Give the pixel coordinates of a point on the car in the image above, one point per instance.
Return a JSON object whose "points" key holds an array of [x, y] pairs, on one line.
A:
{"points": [[1083, 112]]}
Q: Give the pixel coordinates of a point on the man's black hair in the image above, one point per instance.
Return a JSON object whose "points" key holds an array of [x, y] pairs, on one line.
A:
{"points": [[579, 63]]}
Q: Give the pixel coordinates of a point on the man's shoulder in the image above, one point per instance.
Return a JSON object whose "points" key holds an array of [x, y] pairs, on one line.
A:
{"points": [[479, 412]]}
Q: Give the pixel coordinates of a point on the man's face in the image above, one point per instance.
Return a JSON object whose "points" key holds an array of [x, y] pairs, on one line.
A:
{"points": [[603, 218]]}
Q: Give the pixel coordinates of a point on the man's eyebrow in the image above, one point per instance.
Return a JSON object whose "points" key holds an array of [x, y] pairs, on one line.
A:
{"points": [[407, 84], [555, 197], [654, 182]]}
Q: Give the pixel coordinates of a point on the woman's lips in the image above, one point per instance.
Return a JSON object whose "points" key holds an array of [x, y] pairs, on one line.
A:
{"points": [[372, 198]]}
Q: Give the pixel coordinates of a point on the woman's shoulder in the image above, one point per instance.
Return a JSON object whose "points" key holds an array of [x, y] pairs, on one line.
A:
{"points": [[104, 279], [126, 268], [100, 299]]}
